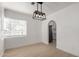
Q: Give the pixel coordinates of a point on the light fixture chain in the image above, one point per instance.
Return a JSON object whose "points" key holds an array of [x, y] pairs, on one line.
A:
{"points": [[37, 6], [41, 8]]}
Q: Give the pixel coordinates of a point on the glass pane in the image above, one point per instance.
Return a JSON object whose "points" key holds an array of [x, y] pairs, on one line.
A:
{"points": [[13, 27]]}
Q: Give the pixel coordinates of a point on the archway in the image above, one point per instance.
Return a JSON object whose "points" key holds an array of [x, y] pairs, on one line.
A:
{"points": [[52, 32]]}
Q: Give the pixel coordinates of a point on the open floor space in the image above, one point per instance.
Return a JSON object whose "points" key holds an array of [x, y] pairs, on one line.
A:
{"points": [[36, 50]]}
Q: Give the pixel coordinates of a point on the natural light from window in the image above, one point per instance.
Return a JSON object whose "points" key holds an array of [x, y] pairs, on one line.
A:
{"points": [[14, 27]]}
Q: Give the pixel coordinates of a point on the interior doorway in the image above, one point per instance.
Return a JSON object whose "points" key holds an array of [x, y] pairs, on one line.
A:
{"points": [[52, 32]]}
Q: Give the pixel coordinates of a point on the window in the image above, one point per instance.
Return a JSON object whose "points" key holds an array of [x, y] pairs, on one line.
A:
{"points": [[14, 27]]}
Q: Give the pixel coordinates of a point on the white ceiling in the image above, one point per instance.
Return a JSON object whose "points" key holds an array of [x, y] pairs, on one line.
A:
{"points": [[27, 7]]}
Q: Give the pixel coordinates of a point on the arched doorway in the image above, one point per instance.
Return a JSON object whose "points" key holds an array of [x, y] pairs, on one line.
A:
{"points": [[52, 32]]}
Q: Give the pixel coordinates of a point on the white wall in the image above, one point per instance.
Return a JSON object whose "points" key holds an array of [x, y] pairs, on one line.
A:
{"points": [[33, 31], [1, 37], [67, 21]]}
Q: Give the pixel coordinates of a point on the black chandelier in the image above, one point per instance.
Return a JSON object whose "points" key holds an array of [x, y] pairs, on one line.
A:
{"points": [[39, 15]]}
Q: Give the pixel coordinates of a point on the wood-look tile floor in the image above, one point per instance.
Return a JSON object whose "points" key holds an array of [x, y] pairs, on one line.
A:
{"points": [[36, 50]]}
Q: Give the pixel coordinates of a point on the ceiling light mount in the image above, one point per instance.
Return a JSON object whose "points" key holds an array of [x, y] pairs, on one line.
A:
{"points": [[40, 2]]}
